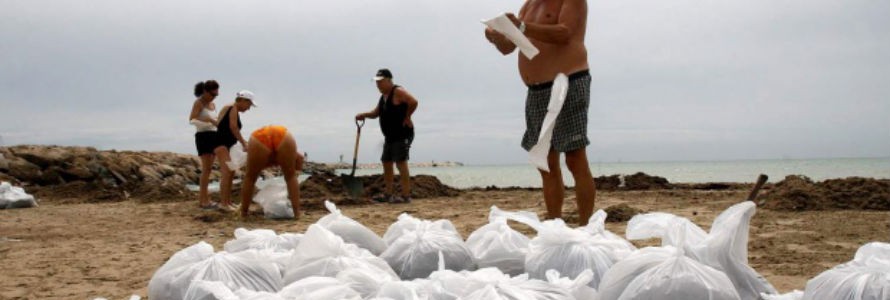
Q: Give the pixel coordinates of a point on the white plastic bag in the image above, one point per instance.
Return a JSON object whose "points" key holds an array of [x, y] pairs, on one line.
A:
{"points": [[618, 247], [273, 198], [725, 248], [616, 279], [262, 239], [322, 253], [568, 251], [414, 253], [237, 158], [506, 27], [577, 287], [307, 289], [351, 231], [866, 277], [15, 197], [794, 295], [537, 155], [364, 281], [245, 269], [680, 277], [497, 245]]}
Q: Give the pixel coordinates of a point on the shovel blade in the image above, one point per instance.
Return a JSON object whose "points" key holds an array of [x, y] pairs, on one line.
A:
{"points": [[354, 186]]}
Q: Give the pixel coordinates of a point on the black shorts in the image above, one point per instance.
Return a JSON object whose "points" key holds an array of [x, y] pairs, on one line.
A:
{"points": [[206, 141], [396, 150]]}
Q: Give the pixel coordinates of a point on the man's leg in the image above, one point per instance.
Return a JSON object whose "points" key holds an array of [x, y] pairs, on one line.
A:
{"points": [[406, 178], [553, 186], [387, 178], [585, 189]]}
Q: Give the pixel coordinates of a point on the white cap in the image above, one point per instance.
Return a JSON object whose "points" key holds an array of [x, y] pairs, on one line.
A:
{"points": [[245, 94]]}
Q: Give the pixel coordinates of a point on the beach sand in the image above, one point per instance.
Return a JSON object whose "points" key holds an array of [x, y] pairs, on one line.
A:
{"points": [[87, 250]]}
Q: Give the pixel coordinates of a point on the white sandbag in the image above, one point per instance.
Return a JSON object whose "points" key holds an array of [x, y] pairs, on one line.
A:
{"points": [[497, 285], [866, 277], [415, 252], [237, 158], [322, 253], [306, 289], [725, 248], [15, 197], [577, 287], [401, 290], [262, 239], [245, 269], [616, 279], [794, 295], [312, 288], [568, 251], [350, 230], [406, 223], [273, 198], [364, 281], [618, 247], [680, 277], [497, 245]]}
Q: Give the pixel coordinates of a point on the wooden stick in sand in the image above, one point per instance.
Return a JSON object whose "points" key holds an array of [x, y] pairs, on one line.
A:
{"points": [[761, 180]]}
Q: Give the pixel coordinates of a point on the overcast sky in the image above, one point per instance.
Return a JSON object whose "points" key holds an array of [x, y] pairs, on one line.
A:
{"points": [[672, 80]]}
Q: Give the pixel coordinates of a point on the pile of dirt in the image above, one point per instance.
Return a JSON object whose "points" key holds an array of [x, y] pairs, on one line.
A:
{"points": [[800, 193], [330, 186], [636, 182], [86, 173], [621, 213]]}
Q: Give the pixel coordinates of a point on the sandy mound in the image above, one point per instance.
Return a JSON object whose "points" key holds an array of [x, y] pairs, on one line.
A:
{"points": [[800, 193], [621, 213], [330, 186]]}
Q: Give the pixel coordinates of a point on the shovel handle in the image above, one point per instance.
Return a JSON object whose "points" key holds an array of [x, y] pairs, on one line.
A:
{"points": [[358, 134], [760, 181]]}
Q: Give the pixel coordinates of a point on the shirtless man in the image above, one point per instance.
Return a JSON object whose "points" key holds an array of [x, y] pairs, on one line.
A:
{"points": [[557, 29]]}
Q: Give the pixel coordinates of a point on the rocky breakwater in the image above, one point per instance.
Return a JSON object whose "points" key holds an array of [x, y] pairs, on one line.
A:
{"points": [[86, 174]]}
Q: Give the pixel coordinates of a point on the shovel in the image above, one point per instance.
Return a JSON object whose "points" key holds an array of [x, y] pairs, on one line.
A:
{"points": [[354, 186]]}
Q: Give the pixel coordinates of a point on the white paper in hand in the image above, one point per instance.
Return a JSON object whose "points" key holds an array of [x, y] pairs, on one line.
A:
{"points": [[506, 27], [537, 156]]}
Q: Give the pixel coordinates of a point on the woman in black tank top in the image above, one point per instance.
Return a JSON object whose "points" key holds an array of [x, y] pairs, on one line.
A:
{"points": [[228, 133]]}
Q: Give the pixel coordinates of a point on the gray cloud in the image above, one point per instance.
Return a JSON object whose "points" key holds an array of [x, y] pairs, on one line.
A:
{"points": [[675, 80]]}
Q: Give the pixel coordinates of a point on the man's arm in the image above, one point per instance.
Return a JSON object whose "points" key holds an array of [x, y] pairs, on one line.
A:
{"points": [[370, 115], [406, 97], [571, 19]]}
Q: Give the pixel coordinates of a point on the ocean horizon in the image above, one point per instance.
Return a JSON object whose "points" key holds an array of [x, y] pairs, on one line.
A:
{"points": [[524, 175]]}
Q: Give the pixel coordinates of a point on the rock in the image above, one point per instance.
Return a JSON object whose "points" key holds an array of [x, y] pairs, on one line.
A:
{"points": [[24, 170], [149, 173], [4, 164]]}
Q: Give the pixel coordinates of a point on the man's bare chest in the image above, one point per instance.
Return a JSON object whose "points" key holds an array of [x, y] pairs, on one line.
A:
{"points": [[542, 11]]}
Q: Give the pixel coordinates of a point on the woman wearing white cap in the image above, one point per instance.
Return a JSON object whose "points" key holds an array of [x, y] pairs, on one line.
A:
{"points": [[228, 134]]}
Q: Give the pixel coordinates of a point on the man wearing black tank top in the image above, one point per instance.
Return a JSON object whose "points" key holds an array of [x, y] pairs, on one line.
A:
{"points": [[394, 108]]}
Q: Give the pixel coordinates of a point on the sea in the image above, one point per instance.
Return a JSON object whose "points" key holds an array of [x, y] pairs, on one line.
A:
{"points": [[525, 175]]}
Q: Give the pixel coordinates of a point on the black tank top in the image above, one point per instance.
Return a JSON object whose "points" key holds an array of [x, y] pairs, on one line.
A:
{"points": [[392, 118], [224, 131]]}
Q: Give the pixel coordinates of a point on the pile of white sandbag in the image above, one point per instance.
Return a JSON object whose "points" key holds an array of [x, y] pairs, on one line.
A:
{"points": [[339, 258], [15, 197]]}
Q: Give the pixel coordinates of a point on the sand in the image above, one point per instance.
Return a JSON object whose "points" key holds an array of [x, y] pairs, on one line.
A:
{"points": [[84, 250]]}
